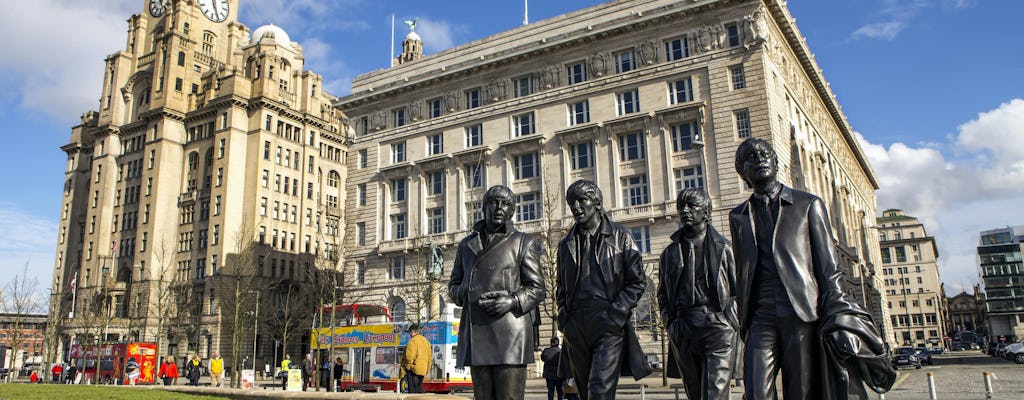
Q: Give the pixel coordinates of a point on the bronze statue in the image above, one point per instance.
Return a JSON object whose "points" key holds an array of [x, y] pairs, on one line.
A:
{"points": [[496, 280], [697, 300], [794, 316], [600, 278]]}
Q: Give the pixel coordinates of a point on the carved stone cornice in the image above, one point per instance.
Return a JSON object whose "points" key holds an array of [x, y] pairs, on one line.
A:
{"points": [[629, 123], [400, 170], [523, 144], [472, 155], [683, 112], [434, 163], [579, 133]]}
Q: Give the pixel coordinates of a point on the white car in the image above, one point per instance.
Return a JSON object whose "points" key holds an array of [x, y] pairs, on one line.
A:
{"points": [[1015, 352]]}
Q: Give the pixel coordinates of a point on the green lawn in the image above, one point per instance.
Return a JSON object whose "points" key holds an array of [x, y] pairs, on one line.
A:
{"points": [[18, 391]]}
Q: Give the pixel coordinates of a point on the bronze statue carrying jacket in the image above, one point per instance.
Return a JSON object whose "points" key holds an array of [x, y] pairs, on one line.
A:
{"points": [[508, 263], [620, 264], [803, 251]]}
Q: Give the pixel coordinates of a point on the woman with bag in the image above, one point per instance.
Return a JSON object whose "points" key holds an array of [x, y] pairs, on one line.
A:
{"points": [[168, 371]]}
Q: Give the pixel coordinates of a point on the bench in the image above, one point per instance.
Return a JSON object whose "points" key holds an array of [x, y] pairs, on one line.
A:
{"points": [[642, 387]]}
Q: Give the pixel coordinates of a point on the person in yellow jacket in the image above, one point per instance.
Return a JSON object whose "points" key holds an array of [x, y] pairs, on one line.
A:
{"points": [[417, 360], [216, 370], [287, 361]]}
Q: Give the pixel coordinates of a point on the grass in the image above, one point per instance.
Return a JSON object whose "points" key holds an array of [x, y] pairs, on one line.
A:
{"points": [[17, 391]]}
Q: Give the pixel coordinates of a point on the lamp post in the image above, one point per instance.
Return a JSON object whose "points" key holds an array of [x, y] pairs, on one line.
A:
{"points": [[255, 327]]}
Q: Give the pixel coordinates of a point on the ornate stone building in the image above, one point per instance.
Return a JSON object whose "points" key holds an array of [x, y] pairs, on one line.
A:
{"points": [[643, 97], [967, 313], [910, 269], [212, 170]]}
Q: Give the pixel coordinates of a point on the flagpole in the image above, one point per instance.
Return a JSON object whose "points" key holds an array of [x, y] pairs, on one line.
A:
{"points": [[526, 12], [392, 54], [74, 294]]}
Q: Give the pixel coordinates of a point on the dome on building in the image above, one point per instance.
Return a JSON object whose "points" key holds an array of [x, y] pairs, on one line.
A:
{"points": [[413, 36], [274, 32]]}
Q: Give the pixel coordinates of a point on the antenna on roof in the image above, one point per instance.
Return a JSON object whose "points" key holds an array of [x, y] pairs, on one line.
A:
{"points": [[526, 12]]}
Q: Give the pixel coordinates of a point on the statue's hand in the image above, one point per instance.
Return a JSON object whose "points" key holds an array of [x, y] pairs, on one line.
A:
{"points": [[496, 303]]}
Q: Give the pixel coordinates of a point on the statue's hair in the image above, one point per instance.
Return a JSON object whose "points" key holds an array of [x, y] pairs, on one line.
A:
{"points": [[748, 146], [585, 189], [694, 196], [501, 192]]}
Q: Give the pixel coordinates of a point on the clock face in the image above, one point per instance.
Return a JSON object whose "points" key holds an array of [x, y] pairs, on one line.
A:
{"points": [[157, 7], [215, 10]]}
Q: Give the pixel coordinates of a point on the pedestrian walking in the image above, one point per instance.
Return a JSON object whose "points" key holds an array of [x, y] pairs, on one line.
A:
{"points": [[216, 370], [168, 371], [193, 370]]}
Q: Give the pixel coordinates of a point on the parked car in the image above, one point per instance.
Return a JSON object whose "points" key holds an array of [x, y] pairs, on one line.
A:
{"points": [[1012, 349], [654, 362], [906, 356], [957, 346], [3, 373], [924, 355]]}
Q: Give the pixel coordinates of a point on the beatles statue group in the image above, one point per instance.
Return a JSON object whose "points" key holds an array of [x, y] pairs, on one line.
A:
{"points": [[769, 300]]}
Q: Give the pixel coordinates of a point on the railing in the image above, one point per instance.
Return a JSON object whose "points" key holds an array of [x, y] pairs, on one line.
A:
{"points": [[189, 196], [147, 58]]}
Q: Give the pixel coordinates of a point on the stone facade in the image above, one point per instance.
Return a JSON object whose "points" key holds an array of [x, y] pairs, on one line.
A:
{"points": [[967, 313], [1002, 275]]}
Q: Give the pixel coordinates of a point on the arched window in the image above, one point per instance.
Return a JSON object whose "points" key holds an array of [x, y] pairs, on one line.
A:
{"points": [[398, 309], [332, 179], [193, 161], [181, 58]]}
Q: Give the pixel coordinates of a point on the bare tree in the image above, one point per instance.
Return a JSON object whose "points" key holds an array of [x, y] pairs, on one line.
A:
{"points": [[554, 228], [21, 300], [238, 274], [161, 300]]}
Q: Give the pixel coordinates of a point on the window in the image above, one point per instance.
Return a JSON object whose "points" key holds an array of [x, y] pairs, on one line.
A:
{"points": [[739, 81], [523, 124], [435, 144], [732, 31], [901, 254], [397, 152], [577, 72], [309, 190], [625, 61], [475, 211], [361, 233], [473, 98], [680, 91], [434, 108], [474, 135], [742, 123], [642, 238], [361, 272], [361, 194], [579, 113], [627, 102], [676, 49], [528, 206], [398, 188], [687, 178], [396, 270], [435, 220], [398, 116], [683, 135], [435, 183], [635, 191], [522, 86], [581, 155], [475, 175], [886, 257], [526, 165], [398, 226], [632, 147], [362, 159], [263, 206], [266, 150]]}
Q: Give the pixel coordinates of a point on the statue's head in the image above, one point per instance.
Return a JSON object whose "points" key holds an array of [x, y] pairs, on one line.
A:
{"points": [[757, 162], [694, 207], [585, 201], [499, 204]]}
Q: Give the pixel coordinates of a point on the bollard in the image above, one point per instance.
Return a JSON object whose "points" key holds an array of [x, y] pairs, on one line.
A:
{"points": [[881, 396], [931, 386], [988, 384]]}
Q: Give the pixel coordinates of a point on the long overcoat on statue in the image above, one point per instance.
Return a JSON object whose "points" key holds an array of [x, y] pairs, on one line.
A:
{"points": [[508, 263]]}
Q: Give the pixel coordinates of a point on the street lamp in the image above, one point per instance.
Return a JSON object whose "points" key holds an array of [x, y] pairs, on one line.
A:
{"points": [[255, 327]]}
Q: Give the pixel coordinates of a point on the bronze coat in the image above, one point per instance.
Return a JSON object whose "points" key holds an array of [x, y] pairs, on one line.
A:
{"points": [[803, 251], [510, 264], [621, 267]]}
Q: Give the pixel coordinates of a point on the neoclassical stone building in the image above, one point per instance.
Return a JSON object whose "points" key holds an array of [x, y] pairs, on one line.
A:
{"points": [[643, 97], [212, 169]]}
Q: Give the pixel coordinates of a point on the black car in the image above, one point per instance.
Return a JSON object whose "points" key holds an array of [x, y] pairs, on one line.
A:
{"points": [[3, 373], [924, 355], [906, 356]]}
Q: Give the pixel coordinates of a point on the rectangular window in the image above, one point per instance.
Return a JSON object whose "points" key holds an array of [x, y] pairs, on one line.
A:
{"points": [[687, 178], [579, 112], [398, 116], [475, 175], [474, 135], [676, 49], [742, 124], [627, 102], [397, 152], [361, 233], [732, 31], [309, 167], [523, 124], [683, 136], [363, 159], [528, 206], [309, 190], [642, 238], [435, 183], [475, 211], [625, 61], [739, 80], [680, 91], [901, 254], [581, 155], [434, 108], [396, 268], [263, 206], [398, 226], [522, 86], [361, 194], [473, 98], [435, 144], [632, 147], [435, 220], [398, 189], [577, 72], [635, 191], [526, 165]]}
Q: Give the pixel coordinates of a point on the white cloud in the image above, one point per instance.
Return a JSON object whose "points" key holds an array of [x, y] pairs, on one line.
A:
{"points": [[896, 15], [26, 239], [58, 73], [956, 198], [880, 30], [436, 35], [305, 15]]}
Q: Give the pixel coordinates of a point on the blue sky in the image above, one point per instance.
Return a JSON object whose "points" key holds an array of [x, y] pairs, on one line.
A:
{"points": [[933, 86]]}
